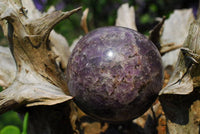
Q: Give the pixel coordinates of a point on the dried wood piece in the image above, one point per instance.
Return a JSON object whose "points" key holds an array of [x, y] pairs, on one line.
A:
{"points": [[186, 74], [40, 80], [180, 98]]}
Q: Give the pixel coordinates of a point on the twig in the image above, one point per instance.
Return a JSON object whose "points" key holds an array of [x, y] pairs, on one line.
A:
{"points": [[169, 47]]}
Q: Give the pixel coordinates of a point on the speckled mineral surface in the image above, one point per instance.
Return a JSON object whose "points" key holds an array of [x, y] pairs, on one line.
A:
{"points": [[114, 74]]}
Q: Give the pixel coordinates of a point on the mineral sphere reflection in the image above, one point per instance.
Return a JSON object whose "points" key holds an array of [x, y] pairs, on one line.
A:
{"points": [[114, 74], [110, 54]]}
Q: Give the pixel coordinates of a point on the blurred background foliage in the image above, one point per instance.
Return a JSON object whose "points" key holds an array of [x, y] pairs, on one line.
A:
{"points": [[102, 13], [10, 118]]}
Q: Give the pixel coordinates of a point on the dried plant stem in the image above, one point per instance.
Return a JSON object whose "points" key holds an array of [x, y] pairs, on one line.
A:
{"points": [[169, 47]]}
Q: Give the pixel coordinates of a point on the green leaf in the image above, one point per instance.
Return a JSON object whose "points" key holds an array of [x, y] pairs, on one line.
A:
{"points": [[10, 130], [25, 124]]}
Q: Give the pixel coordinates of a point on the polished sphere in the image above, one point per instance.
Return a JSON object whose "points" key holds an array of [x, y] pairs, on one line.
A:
{"points": [[114, 74]]}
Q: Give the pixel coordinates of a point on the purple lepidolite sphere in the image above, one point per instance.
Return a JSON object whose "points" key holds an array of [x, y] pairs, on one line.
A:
{"points": [[114, 74]]}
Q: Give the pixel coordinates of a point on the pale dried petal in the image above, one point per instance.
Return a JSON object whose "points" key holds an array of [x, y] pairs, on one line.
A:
{"points": [[175, 87], [32, 11], [31, 89], [126, 17], [51, 9], [175, 31], [60, 48], [176, 27], [7, 67], [170, 58]]}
